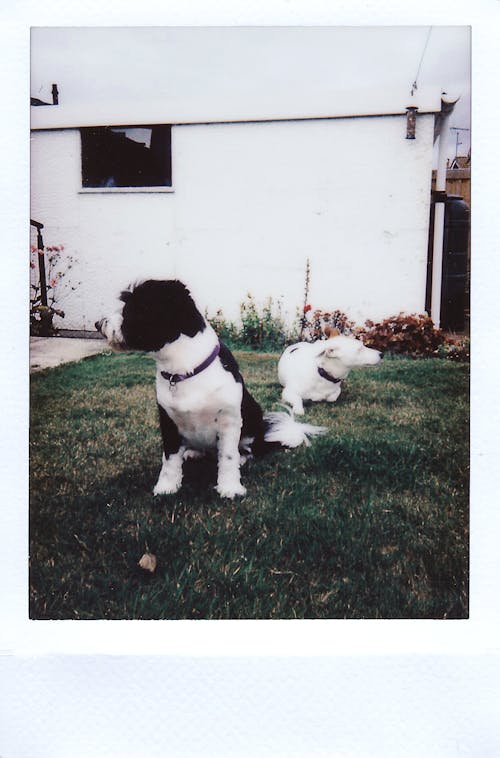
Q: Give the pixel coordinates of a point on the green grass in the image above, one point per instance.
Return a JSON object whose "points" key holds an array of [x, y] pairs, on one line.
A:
{"points": [[371, 521]]}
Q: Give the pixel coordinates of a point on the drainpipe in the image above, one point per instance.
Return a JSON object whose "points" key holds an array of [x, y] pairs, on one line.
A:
{"points": [[439, 209]]}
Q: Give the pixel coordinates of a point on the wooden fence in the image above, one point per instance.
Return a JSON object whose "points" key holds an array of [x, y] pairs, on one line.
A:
{"points": [[457, 182]]}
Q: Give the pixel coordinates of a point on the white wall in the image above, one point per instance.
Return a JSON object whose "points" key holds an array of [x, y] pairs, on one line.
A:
{"points": [[251, 202]]}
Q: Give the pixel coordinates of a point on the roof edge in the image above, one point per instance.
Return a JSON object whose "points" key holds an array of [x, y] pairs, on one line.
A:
{"points": [[183, 112], [48, 124]]}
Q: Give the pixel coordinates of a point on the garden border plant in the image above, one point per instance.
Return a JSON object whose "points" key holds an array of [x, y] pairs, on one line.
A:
{"points": [[265, 328], [412, 335], [49, 289]]}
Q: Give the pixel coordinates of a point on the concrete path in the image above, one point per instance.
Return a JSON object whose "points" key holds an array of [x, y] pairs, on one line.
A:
{"points": [[48, 352]]}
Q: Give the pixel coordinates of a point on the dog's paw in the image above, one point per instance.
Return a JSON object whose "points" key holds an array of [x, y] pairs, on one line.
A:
{"points": [[165, 487], [231, 491]]}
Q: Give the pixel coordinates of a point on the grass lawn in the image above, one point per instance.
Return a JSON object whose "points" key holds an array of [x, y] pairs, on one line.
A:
{"points": [[371, 521]]}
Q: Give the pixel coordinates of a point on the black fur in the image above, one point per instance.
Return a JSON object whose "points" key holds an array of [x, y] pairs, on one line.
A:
{"points": [[156, 312], [169, 433], [251, 412], [229, 362]]}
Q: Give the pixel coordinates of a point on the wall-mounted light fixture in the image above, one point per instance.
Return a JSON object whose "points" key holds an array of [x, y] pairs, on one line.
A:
{"points": [[411, 122]]}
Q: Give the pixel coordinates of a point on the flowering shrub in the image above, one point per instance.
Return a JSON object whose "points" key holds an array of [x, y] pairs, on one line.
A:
{"points": [[56, 268], [313, 323], [403, 334], [412, 335], [455, 349]]}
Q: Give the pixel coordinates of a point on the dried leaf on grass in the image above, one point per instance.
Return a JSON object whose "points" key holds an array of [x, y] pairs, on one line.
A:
{"points": [[148, 562]]}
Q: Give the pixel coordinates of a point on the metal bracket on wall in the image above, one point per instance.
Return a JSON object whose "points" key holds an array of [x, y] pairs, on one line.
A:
{"points": [[439, 196]]}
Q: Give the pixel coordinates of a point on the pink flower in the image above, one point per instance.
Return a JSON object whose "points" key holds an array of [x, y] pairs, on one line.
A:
{"points": [[307, 308]]}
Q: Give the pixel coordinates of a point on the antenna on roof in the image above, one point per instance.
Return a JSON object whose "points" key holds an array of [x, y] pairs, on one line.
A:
{"points": [[414, 86], [458, 129]]}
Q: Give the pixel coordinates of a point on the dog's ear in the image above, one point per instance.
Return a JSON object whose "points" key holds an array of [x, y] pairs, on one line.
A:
{"points": [[329, 352], [330, 349], [330, 331]]}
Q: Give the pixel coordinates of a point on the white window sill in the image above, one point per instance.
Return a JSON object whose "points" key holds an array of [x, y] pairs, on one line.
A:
{"points": [[123, 190]]}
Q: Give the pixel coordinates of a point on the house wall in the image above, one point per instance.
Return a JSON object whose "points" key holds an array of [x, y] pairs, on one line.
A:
{"points": [[250, 203]]}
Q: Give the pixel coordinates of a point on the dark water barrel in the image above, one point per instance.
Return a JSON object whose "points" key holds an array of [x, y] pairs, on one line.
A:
{"points": [[454, 292], [455, 282]]}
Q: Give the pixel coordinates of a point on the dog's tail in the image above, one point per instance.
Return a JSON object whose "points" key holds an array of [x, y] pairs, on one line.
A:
{"points": [[282, 428]]}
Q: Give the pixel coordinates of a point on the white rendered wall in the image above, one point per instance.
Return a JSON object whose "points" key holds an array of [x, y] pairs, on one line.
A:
{"points": [[116, 238], [251, 203]]}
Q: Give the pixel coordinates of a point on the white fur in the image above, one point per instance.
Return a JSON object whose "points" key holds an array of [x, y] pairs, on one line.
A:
{"points": [[111, 328], [170, 478], [284, 429], [205, 409], [298, 368]]}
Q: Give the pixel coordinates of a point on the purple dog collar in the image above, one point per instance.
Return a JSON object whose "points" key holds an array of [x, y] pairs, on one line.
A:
{"points": [[176, 378], [327, 376]]}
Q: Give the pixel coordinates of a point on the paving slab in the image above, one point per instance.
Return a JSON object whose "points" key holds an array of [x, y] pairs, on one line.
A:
{"points": [[48, 352]]}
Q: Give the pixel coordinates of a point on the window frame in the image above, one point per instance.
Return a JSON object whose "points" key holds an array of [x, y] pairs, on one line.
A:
{"points": [[123, 188]]}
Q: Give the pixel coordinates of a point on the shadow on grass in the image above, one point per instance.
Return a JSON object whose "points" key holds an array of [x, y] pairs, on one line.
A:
{"points": [[371, 521], [281, 552]]}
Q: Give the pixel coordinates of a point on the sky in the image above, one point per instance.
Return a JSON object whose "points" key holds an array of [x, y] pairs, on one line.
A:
{"points": [[248, 68]]}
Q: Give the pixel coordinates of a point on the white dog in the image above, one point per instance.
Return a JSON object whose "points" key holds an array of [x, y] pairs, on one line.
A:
{"points": [[315, 370], [202, 399]]}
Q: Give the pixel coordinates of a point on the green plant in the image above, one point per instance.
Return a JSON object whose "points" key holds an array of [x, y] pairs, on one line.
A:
{"points": [[273, 327], [226, 330], [259, 329], [455, 349], [251, 327], [265, 330]]}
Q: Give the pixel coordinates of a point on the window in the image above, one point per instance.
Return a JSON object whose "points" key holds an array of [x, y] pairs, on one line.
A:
{"points": [[126, 156]]}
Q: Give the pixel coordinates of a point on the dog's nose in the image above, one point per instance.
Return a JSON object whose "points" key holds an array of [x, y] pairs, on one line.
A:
{"points": [[380, 354], [98, 324]]}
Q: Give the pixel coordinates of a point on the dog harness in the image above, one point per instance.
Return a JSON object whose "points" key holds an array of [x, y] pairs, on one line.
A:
{"points": [[176, 378], [327, 376]]}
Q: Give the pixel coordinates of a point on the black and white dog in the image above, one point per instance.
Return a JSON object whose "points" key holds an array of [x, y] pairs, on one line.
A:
{"points": [[202, 399]]}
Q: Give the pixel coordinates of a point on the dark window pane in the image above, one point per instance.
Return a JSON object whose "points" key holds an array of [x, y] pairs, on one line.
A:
{"points": [[135, 156]]}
